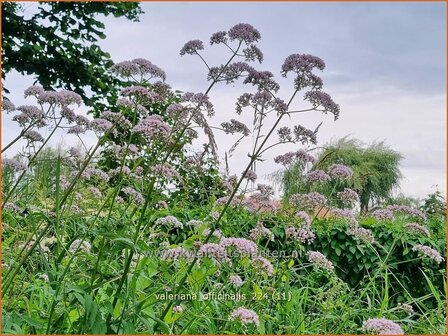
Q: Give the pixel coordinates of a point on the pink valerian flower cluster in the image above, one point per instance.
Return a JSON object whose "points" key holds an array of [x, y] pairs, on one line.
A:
{"points": [[428, 252], [90, 173], [308, 201], [417, 228], [250, 175], [152, 126], [319, 260], [134, 195], [262, 100], [236, 280], [170, 221], [245, 316], [142, 94], [165, 171], [200, 101], [263, 264], [382, 326], [291, 157], [305, 135], [214, 251], [218, 37], [100, 125], [127, 103], [407, 210], [95, 192], [322, 99], [318, 176], [348, 196], [253, 53], [30, 114], [235, 126], [303, 235], [361, 233], [138, 67], [33, 136], [303, 65], [244, 32], [7, 105], [14, 164], [344, 214], [241, 246], [304, 218], [61, 98], [192, 47], [340, 171], [194, 223], [260, 231], [383, 214]]}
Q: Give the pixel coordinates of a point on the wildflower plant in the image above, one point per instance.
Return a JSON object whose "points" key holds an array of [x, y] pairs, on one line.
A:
{"points": [[129, 235]]}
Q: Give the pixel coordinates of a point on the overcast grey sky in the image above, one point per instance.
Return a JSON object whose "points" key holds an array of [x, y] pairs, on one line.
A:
{"points": [[385, 67]]}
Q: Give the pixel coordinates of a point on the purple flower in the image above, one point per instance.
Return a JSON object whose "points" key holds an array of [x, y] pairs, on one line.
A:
{"points": [[165, 170], [348, 196], [89, 173], [428, 252], [213, 251], [300, 63], [382, 326], [68, 114], [262, 79], [383, 214], [200, 100], [285, 159], [218, 37], [244, 32], [192, 47], [236, 280], [319, 98], [304, 218], [319, 260], [361, 233], [234, 126], [170, 221], [317, 176], [141, 93], [34, 90], [263, 264], [308, 201], [14, 164], [245, 316], [407, 210], [35, 114], [67, 97], [134, 195], [152, 126], [7, 105], [260, 231], [100, 125], [241, 245], [76, 130], [178, 309], [147, 68], [303, 235], [305, 135], [250, 176], [13, 207], [79, 244], [33, 136], [417, 228], [252, 53], [340, 171]]}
